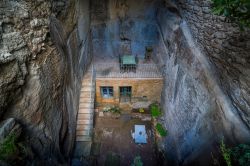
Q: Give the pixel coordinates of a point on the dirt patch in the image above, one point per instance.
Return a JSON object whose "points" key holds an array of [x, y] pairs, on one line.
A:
{"points": [[113, 136]]}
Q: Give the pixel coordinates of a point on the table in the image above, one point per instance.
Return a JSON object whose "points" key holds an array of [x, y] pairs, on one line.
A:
{"points": [[140, 135], [128, 63]]}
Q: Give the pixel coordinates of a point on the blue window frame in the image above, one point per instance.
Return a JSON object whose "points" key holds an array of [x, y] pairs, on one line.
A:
{"points": [[107, 91]]}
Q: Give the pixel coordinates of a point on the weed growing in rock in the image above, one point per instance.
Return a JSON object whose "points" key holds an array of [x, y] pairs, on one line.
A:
{"points": [[241, 155], [161, 130], [225, 153], [238, 155], [137, 161], [8, 147]]}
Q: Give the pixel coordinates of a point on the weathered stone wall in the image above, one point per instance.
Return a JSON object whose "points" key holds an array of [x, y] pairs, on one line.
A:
{"points": [[43, 55], [199, 112], [123, 27]]}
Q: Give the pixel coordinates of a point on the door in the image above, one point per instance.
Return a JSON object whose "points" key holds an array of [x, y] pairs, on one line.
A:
{"points": [[125, 94]]}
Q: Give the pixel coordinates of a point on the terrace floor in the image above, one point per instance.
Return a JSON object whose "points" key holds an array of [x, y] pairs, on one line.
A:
{"points": [[110, 68], [112, 139]]}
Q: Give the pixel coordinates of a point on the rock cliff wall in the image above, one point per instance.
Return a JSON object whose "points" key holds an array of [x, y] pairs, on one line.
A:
{"points": [[123, 27], [199, 110], [44, 52], [46, 46], [226, 47]]}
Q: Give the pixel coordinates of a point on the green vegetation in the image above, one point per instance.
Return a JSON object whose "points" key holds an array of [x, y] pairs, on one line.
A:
{"points": [[155, 110], [137, 161], [141, 110], [238, 155], [115, 109], [241, 155], [161, 130], [225, 153], [8, 147], [235, 10], [112, 109]]}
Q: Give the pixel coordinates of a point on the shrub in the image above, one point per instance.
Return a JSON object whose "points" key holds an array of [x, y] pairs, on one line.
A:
{"points": [[115, 109], [225, 153], [161, 130], [137, 161], [235, 10], [155, 110], [8, 147], [112, 109], [241, 155]]}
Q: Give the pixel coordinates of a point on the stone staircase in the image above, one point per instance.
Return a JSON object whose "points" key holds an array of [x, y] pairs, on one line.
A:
{"points": [[84, 128]]}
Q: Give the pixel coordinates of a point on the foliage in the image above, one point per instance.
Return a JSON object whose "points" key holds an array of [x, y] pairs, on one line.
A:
{"points": [[141, 110], [225, 153], [241, 155], [8, 147], [235, 10], [238, 155], [137, 161], [161, 130], [112, 109], [155, 110], [115, 109]]}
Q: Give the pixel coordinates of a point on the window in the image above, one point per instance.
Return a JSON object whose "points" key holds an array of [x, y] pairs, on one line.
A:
{"points": [[107, 91], [125, 93]]}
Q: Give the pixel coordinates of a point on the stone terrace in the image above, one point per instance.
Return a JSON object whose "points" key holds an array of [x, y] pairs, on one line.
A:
{"points": [[111, 69]]}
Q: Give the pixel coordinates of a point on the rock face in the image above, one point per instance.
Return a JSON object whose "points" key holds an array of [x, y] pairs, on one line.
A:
{"points": [[123, 27], [202, 103], [8, 127], [46, 46], [44, 51], [226, 47]]}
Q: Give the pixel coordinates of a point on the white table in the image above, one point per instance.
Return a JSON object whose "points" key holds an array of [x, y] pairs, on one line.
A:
{"points": [[140, 134]]}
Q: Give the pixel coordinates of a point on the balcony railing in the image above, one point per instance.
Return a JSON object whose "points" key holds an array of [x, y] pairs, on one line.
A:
{"points": [[112, 70]]}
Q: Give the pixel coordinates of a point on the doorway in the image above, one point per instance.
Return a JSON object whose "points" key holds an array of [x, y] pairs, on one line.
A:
{"points": [[125, 94]]}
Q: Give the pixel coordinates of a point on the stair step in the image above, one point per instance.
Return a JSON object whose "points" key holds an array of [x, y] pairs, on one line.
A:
{"points": [[83, 138], [86, 86], [86, 105], [85, 110], [86, 90], [86, 116], [82, 95], [86, 81], [84, 122], [83, 132], [86, 99], [84, 127]]}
